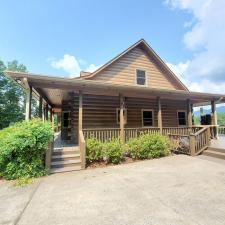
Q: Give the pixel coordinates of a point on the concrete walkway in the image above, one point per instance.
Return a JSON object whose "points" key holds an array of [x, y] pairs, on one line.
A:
{"points": [[177, 190]]}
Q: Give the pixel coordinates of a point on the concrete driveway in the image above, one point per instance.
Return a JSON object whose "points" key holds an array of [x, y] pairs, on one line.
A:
{"points": [[176, 190]]}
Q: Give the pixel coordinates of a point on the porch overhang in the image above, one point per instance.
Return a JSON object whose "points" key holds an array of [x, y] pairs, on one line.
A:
{"points": [[56, 89]]}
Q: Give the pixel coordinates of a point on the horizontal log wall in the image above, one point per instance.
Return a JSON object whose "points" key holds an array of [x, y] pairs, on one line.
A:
{"points": [[123, 71], [100, 111], [169, 111]]}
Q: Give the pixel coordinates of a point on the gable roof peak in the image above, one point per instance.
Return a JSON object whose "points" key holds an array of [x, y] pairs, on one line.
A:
{"points": [[149, 50]]}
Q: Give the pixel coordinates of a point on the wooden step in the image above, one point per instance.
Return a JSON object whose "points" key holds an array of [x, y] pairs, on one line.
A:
{"points": [[65, 169], [65, 151], [65, 157], [216, 149], [214, 154], [65, 163]]}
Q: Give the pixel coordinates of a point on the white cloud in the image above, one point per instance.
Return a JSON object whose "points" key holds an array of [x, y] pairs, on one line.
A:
{"points": [[205, 38], [91, 68], [71, 65]]}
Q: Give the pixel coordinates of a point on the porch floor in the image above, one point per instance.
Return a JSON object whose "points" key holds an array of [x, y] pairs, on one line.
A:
{"points": [[59, 143], [218, 143]]}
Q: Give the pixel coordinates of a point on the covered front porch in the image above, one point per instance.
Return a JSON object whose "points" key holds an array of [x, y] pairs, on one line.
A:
{"points": [[88, 108]]}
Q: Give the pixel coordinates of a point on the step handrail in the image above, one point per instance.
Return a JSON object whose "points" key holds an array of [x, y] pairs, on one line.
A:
{"points": [[82, 146], [199, 141]]}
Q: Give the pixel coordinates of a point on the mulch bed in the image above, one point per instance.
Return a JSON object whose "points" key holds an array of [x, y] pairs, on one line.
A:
{"points": [[104, 164]]}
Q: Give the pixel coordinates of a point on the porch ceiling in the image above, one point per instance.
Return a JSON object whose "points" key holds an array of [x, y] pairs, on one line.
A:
{"points": [[56, 89]]}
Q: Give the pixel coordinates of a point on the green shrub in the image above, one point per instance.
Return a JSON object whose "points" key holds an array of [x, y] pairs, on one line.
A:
{"points": [[149, 146], [94, 150], [113, 151], [22, 149], [110, 151]]}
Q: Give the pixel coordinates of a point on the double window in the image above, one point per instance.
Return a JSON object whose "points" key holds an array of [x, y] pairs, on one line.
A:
{"points": [[147, 117], [141, 77], [181, 117]]}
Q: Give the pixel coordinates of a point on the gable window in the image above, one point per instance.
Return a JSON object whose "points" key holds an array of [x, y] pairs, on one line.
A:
{"points": [[147, 117], [140, 77], [181, 117], [118, 116]]}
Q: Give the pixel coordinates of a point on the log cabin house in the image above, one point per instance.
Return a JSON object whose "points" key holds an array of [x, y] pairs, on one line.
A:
{"points": [[135, 92]]}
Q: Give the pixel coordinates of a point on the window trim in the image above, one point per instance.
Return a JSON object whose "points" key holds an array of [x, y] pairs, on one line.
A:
{"points": [[118, 113], [146, 77], [185, 111], [142, 119]]}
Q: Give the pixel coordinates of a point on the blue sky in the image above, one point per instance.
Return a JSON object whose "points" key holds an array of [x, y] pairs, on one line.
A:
{"points": [[93, 31], [43, 34]]}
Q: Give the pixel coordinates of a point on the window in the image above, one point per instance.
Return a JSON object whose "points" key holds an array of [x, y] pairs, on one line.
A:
{"points": [[181, 116], [118, 115], [66, 119], [141, 77], [147, 117]]}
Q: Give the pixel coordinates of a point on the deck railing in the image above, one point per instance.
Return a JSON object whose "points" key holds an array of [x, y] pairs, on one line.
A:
{"points": [[199, 141], [136, 132], [102, 134], [221, 130], [193, 143]]}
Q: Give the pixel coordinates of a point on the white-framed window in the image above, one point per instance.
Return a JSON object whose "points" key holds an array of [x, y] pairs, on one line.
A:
{"points": [[141, 77], [182, 118], [147, 117], [118, 116]]}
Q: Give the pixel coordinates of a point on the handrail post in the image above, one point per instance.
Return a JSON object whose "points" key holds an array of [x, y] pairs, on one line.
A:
{"points": [[48, 154], [192, 144]]}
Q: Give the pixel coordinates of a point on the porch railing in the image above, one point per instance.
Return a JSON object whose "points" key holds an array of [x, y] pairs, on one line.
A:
{"points": [[221, 130], [193, 143], [102, 134]]}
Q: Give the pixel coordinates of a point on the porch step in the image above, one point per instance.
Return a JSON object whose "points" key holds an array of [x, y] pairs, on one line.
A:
{"points": [[65, 169], [69, 156], [65, 151], [216, 153], [62, 163]]}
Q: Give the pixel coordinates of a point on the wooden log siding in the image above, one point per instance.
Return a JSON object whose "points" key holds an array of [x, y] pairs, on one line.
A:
{"points": [[100, 112], [169, 111], [123, 71]]}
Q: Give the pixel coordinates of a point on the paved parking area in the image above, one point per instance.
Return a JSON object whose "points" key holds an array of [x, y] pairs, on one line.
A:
{"points": [[176, 190]]}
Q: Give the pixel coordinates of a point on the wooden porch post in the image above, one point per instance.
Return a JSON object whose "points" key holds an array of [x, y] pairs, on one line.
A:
{"points": [[40, 107], [189, 113], [122, 137], [50, 114], [28, 103], [214, 117], [46, 112], [80, 122], [159, 114]]}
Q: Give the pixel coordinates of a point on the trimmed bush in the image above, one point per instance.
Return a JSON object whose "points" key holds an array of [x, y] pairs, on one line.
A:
{"points": [[110, 151], [113, 151], [149, 146], [94, 151], [22, 149]]}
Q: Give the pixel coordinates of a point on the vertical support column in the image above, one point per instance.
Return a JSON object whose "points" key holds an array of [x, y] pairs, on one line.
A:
{"points": [[40, 107], [192, 115], [50, 114], [189, 113], [80, 122], [159, 114], [214, 118], [28, 103], [122, 106], [46, 112]]}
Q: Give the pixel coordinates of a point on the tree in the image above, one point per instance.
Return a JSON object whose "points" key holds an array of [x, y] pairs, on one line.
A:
{"points": [[12, 96]]}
